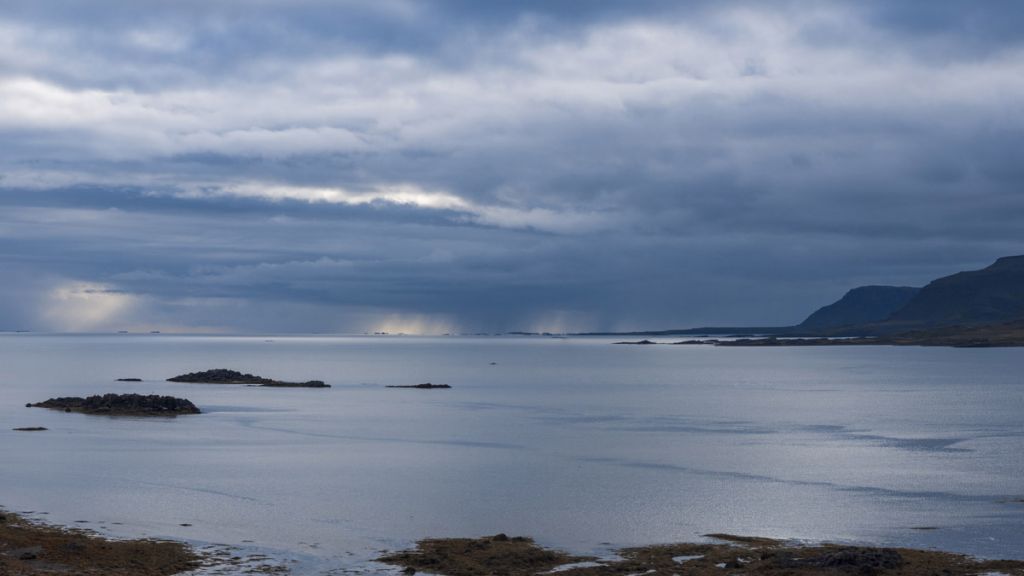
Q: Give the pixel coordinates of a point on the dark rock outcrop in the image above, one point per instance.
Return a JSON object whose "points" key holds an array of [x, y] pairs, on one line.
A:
{"points": [[426, 386], [30, 429], [129, 379], [224, 376], [122, 405], [862, 559], [638, 343]]}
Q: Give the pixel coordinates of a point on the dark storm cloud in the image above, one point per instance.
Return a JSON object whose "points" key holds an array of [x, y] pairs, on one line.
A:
{"points": [[460, 165]]}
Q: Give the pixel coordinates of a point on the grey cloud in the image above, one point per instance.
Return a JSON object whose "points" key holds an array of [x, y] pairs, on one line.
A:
{"points": [[498, 165]]}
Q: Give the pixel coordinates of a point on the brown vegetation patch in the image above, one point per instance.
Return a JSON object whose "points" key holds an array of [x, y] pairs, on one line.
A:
{"points": [[30, 549], [741, 555], [479, 556]]}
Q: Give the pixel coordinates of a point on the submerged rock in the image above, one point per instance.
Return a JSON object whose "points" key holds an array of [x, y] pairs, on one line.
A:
{"points": [[30, 429], [426, 386], [225, 376], [122, 405], [129, 379]]}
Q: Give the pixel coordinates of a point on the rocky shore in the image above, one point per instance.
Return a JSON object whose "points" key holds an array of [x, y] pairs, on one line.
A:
{"points": [[225, 376], [425, 386], [121, 405], [731, 555], [30, 549]]}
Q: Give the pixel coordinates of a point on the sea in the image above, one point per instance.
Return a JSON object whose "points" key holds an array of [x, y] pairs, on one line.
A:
{"points": [[582, 444]]}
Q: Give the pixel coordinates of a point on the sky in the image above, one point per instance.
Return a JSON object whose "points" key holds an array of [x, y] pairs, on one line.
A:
{"points": [[296, 166]]}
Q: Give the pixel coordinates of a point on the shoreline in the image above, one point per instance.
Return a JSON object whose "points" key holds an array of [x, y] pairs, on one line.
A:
{"points": [[30, 547], [728, 554], [963, 340], [33, 547]]}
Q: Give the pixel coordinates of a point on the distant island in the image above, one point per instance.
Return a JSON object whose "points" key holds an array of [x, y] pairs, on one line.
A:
{"points": [[121, 405], [979, 308], [225, 376], [988, 336]]}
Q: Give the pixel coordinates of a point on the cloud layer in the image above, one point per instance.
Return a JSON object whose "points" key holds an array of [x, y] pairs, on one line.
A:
{"points": [[464, 166]]}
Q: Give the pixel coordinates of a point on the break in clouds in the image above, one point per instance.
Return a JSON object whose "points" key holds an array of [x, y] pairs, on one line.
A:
{"points": [[483, 166]]}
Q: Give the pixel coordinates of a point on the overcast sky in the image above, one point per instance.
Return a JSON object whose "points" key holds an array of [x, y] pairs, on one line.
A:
{"points": [[466, 166]]}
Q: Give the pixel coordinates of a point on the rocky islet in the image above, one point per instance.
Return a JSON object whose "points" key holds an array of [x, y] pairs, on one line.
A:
{"points": [[121, 405]]}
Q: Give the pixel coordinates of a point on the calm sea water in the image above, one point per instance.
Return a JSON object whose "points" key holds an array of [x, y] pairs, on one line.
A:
{"points": [[579, 443]]}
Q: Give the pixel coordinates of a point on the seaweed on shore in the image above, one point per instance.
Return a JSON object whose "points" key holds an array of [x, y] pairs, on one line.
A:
{"points": [[29, 548], [734, 555]]}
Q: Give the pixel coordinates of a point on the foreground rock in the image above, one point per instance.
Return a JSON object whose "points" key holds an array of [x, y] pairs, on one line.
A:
{"points": [[121, 405], [738, 555], [224, 376], [426, 386], [28, 549]]}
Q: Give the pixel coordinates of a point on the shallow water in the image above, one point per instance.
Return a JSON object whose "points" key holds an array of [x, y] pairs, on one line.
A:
{"points": [[579, 443]]}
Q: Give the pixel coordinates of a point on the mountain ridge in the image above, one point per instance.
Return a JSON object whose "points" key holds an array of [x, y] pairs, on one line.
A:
{"points": [[861, 305], [991, 296]]}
